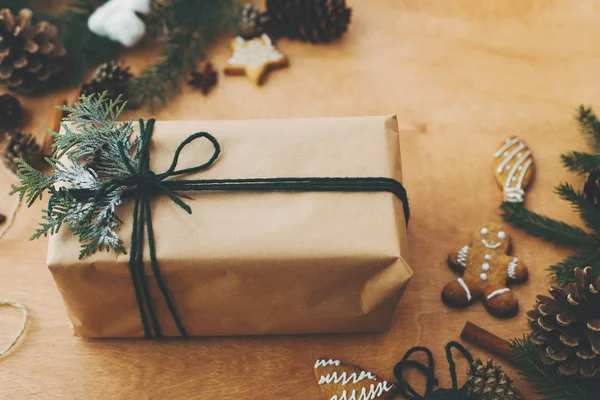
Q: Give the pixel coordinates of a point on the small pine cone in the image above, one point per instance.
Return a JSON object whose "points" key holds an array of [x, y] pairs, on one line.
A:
{"points": [[11, 112], [30, 54], [317, 21], [252, 22], [111, 77], [591, 188], [566, 326], [21, 145], [488, 382]]}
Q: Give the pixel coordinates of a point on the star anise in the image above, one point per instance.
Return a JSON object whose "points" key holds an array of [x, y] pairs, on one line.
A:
{"points": [[204, 80]]}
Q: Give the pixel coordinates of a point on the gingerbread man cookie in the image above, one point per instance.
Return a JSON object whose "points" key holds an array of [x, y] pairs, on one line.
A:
{"points": [[487, 268], [339, 381], [513, 169]]}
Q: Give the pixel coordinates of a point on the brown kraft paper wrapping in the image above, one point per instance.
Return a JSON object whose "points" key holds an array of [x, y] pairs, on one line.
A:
{"points": [[248, 263]]}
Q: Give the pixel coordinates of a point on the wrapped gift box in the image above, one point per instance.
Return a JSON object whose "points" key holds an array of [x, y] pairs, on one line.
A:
{"points": [[248, 263]]}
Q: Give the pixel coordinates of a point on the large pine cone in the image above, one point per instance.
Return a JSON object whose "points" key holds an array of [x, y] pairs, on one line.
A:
{"points": [[566, 326], [489, 382], [30, 54], [312, 20]]}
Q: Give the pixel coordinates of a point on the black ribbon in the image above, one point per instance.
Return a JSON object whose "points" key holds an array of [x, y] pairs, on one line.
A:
{"points": [[143, 183], [406, 391]]}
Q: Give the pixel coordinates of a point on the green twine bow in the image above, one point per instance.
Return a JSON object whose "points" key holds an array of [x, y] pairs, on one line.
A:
{"points": [[143, 183]]}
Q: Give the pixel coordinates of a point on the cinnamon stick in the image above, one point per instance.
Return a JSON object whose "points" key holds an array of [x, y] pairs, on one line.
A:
{"points": [[54, 125], [485, 340]]}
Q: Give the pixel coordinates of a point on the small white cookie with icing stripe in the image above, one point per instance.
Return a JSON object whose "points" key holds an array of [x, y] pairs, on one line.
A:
{"points": [[339, 381], [513, 168]]}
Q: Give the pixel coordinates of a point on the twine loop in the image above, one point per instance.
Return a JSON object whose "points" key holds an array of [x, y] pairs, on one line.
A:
{"points": [[428, 370], [21, 331]]}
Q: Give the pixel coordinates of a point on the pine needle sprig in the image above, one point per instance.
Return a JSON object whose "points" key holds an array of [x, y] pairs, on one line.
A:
{"points": [[585, 243], [188, 28], [83, 162], [580, 163], [546, 228], [563, 271], [545, 381], [589, 214], [589, 126]]}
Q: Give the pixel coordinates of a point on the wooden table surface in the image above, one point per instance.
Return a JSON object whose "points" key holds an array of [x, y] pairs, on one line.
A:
{"points": [[465, 73]]}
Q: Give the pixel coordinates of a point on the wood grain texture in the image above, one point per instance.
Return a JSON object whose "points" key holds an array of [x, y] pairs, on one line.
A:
{"points": [[466, 73]]}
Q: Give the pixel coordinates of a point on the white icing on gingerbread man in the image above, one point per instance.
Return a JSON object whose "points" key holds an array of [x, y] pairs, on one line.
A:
{"points": [[487, 269]]}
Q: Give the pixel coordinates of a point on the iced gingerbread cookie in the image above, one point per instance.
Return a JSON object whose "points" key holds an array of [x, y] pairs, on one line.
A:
{"points": [[486, 270], [254, 58], [339, 381], [513, 168]]}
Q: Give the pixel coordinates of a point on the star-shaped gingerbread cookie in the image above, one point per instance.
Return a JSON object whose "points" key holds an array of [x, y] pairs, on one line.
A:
{"points": [[254, 58]]}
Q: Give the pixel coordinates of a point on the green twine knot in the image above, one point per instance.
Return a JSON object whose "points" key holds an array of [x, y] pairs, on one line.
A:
{"points": [[145, 183]]}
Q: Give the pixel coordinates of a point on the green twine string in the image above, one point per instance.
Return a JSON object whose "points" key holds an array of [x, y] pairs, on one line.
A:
{"points": [[406, 391], [143, 183]]}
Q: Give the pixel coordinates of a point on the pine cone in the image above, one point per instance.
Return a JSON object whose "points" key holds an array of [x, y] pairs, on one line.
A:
{"points": [[11, 112], [30, 54], [252, 22], [591, 188], [21, 145], [566, 327], [112, 77], [311, 20], [488, 382]]}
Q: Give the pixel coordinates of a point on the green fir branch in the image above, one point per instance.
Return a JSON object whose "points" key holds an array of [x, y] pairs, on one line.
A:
{"points": [[581, 163], [546, 228], [55, 216], [33, 183], [189, 27], [589, 214], [589, 126], [545, 381], [101, 150], [562, 273], [89, 128], [562, 233]]}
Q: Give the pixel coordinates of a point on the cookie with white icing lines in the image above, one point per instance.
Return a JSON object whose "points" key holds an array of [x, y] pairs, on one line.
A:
{"points": [[513, 169], [487, 269], [339, 381]]}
